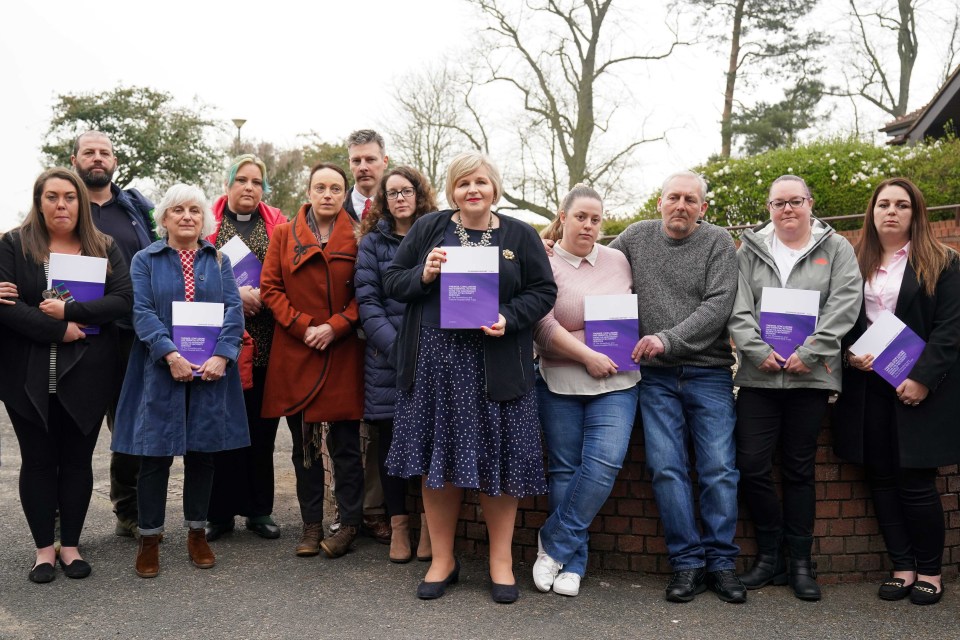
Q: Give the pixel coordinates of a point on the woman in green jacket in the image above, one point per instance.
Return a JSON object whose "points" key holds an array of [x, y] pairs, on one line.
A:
{"points": [[785, 386]]}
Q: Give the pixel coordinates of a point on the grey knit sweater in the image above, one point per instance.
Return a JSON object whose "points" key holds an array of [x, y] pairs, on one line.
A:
{"points": [[685, 290]]}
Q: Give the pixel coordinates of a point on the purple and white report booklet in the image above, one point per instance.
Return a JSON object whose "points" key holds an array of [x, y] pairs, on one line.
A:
{"points": [[246, 267], [894, 346], [196, 327], [470, 288], [612, 327], [788, 317], [83, 276]]}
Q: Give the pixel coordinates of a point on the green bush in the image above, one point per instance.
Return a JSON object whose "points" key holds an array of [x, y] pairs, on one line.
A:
{"points": [[841, 173]]}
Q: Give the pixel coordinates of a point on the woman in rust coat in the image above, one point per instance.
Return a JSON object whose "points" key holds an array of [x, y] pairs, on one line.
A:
{"points": [[315, 373]]}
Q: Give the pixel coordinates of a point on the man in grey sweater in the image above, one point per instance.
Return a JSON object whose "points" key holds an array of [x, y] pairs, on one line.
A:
{"points": [[685, 277]]}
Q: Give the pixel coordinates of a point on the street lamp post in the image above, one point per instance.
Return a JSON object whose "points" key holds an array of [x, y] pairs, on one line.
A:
{"points": [[238, 122]]}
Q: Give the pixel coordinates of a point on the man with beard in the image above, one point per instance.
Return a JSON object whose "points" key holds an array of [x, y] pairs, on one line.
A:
{"points": [[685, 273], [126, 216]]}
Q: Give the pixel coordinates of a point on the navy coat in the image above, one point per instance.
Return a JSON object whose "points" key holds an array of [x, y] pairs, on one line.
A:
{"points": [[152, 417], [380, 317]]}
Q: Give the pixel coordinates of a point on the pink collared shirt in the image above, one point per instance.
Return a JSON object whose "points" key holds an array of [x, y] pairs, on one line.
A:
{"points": [[881, 291]]}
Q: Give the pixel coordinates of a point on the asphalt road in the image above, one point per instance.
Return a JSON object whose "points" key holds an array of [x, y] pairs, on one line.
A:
{"points": [[260, 589]]}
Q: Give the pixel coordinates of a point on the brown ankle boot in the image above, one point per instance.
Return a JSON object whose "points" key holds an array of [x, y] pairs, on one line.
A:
{"points": [[424, 550], [148, 557], [310, 539], [201, 555], [400, 539], [339, 543]]}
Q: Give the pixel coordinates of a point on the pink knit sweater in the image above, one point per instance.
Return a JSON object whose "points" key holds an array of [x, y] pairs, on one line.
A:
{"points": [[609, 275]]}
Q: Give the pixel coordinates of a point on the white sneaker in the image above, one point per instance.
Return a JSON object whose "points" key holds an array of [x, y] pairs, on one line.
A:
{"points": [[567, 584], [545, 569]]}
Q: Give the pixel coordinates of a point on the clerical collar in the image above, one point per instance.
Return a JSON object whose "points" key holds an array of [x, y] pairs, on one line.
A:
{"points": [[240, 217]]}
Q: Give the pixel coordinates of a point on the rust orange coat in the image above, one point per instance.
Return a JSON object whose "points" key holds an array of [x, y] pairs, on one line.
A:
{"points": [[305, 285]]}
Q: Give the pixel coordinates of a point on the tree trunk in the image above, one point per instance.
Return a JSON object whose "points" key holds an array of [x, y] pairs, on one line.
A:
{"points": [[907, 50], [726, 120]]}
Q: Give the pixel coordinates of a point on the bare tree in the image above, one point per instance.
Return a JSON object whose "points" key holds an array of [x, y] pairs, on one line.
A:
{"points": [[873, 79], [953, 45], [553, 57]]}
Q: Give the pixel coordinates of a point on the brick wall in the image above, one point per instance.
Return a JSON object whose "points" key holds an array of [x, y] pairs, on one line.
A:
{"points": [[627, 534]]}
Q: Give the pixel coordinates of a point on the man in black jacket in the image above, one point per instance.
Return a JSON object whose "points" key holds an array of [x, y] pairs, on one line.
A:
{"points": [[127, 217], [367, 164]]}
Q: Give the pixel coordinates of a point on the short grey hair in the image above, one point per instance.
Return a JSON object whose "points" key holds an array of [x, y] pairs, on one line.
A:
{"points": [[465, 164], [365, 136], [180, 194], [791, 178], [687, 174]]}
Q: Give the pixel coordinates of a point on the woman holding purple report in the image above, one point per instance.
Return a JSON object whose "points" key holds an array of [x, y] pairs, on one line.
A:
{"points": [[798, 294], [182, 394], [901, 431]]}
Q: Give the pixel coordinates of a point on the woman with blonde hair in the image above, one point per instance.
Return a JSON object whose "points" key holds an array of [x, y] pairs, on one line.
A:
{"points": [[466, 411]]}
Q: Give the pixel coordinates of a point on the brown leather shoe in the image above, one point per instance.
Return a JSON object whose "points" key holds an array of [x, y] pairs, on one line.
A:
{"points": [[148, 557], [339, 543], [377, 528], [201, 555], [400, 539], [310, 539]]}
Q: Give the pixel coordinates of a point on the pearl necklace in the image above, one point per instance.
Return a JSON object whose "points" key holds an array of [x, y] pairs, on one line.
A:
{"points": [[484, 239]]}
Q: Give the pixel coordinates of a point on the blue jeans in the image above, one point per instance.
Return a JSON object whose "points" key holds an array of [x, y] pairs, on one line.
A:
{"points": [[679, 404], [587, 439]]}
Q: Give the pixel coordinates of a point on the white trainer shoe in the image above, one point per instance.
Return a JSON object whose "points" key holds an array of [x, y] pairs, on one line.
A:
{"points": [[567, 584], [545, 569]]}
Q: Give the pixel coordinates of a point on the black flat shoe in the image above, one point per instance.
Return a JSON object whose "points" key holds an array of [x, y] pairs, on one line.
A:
{"points": [[78, 569], [504, 593], [216, 529], [925, 593], [266, 529], [894, 589], [42, 573], [433, 590], [686, 584]]}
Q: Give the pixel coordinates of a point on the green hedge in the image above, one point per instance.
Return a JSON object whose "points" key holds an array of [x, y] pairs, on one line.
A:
{"points": [[841, 173]]}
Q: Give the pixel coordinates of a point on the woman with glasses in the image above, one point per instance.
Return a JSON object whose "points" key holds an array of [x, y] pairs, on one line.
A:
{"points": [[403, 196], [785, 386], [315, 373], [902, 434]]}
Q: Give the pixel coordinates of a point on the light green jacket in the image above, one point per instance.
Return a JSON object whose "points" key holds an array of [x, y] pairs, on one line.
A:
{"points": [[830, 267]]}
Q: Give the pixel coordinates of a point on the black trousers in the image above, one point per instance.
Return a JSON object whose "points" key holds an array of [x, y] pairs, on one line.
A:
{"points": [[123, 466], [56, 473], [343, 443], [906, 501], [791, 418], [244, 483], [394, 489]]}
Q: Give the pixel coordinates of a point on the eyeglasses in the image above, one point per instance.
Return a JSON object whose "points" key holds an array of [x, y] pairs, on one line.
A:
{"points": [[406, 192], [796, 203], [335, 189]]}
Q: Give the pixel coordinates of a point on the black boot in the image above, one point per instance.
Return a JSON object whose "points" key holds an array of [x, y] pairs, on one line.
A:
{"points": [[802, 570], [769, 566]]}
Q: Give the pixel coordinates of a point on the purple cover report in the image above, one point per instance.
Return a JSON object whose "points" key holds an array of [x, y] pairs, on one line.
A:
{"points": [[246, 267], [612, 327], [83, 276], [470, 287], [788, 317], [196, 327], [894, 346]]}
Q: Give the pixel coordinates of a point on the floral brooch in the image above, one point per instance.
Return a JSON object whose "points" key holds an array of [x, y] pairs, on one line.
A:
{"points": [[508, 255]]}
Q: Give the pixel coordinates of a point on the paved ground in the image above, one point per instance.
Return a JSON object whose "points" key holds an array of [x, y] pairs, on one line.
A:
{"points": [[259, 589]]}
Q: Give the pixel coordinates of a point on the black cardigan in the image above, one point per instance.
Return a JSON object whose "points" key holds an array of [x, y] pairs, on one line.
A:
{"points": [[527, 293], [88, 370], [928, 434]]}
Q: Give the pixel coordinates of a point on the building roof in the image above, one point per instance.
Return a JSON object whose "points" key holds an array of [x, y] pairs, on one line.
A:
{"points": [[930, 120]]}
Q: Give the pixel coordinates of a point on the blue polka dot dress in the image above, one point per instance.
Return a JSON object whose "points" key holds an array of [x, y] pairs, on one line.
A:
{"points": [[445, 427]]}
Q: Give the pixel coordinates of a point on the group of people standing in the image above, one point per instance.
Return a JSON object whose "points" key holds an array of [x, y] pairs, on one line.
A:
{"points": [[344, 326]]}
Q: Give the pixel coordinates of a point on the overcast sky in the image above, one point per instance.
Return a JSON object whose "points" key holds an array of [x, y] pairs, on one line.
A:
{"points": [[289, 68]]}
